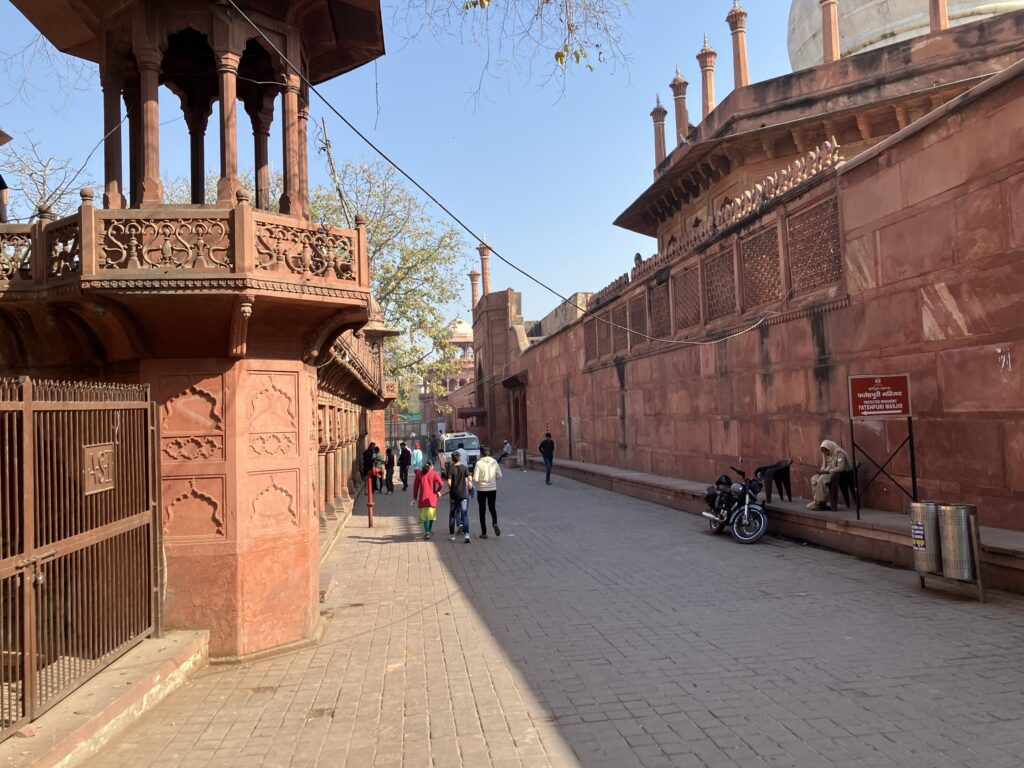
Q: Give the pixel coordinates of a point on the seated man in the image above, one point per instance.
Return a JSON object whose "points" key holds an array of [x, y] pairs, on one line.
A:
{"points": [[506, 451], [833, 461]]}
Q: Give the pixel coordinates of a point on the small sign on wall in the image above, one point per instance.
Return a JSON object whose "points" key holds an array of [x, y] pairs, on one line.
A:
{"points": [[880, 397], [97, 468]]}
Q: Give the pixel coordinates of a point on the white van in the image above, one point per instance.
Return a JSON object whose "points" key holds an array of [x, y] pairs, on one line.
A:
{"points": [[466, 443]]}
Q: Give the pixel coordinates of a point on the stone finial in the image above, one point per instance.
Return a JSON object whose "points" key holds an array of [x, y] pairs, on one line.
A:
{"points": [[360, 220], [242, 197], [658, 114], [87, 195], [706, 58], [737, 20], [679, 86], [830, 30]]}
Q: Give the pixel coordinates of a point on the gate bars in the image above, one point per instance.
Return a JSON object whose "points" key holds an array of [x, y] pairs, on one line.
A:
{"points": [[79, 538]]}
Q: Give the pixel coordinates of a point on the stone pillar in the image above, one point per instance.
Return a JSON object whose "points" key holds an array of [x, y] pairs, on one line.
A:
{"points": [[485, 266], [151, 189], [330, 465], [474, 287], [679, 86], [938, 11], [830, 30], [303, 154], [290, 136], [227, 74], [658, 115], [133, 108], [112, 196], [706, 57], [737, 20], [197, 122]]}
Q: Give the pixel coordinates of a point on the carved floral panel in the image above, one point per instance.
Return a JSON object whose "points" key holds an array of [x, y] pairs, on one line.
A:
{"points": [[321, 252], [272, 415], [165, 244], [15, 254]]}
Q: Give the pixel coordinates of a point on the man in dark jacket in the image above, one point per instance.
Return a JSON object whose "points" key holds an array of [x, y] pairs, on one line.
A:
{"points": [[459, 484], [547, 450], [368, 460], [404, 460]]}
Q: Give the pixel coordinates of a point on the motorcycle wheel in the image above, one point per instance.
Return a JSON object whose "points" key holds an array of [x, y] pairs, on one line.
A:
{"points": [[754, 529], [716, 526]]}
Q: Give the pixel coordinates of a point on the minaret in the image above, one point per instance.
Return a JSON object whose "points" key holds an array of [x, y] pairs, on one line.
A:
{"points": [[737, 20], [938, 12], [830, 29], [658, 114], [485, 266], [678, 86], [474, 281], [706, 57]]}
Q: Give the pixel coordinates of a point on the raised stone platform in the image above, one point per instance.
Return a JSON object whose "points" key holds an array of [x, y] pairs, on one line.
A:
{"points": [[878, 535], [79, 726]]}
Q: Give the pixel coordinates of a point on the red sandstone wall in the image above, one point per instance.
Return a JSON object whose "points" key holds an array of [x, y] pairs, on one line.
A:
{"points": [[932, 234]]}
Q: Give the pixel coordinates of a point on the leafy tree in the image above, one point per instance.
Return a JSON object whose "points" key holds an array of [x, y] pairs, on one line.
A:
{"points": [[416, 263]]}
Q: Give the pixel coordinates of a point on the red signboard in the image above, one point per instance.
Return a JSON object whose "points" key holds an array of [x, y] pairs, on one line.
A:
{"points": [[880, 397]]}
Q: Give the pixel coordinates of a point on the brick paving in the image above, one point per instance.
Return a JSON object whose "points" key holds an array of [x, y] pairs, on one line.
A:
{"points": [[604, 631]]}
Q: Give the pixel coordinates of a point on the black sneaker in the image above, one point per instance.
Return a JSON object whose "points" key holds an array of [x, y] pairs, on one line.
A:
{"points": [[497, 530]]}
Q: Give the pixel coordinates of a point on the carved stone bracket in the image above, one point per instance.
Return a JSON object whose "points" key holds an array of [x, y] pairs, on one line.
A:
{"points": [[240, 325]]}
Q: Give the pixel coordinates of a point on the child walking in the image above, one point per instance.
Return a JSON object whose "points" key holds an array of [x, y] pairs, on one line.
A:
{"points": [[425, 489]]}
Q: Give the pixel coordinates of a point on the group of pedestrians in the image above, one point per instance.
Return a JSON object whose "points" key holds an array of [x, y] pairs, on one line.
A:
{"points": [[461, 485], [428, 487]]}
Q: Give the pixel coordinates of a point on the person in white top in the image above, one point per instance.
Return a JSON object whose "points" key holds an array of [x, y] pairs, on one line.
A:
{"points": [[485, 479]]}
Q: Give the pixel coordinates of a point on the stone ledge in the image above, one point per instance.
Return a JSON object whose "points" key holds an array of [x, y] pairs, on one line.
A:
{"points": [[880, 536], [82, 724]]}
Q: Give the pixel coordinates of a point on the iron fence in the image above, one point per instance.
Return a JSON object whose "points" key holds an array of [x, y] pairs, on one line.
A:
{"points": [[78, 536]]}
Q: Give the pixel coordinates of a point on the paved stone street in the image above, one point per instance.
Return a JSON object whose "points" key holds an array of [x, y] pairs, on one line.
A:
{"points": [[603, 631]]}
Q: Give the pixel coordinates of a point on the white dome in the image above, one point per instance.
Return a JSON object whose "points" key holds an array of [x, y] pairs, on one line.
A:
{"points": [[867, 24]]}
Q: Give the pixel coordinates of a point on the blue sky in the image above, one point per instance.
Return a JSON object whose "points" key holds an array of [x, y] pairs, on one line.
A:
{"points": [[540, 168]]}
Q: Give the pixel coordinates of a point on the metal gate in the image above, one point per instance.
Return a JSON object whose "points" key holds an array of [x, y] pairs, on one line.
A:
{"points": [[78, 539]]}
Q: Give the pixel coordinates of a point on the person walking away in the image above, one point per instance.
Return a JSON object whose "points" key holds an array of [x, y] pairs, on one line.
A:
{"points": [[547, 450], [378, 468], [425, 489], [459, 484], [506, 451], [417, 457], [433, 448], [833, 461], [389, 470], [485, 479], [404, 460]]}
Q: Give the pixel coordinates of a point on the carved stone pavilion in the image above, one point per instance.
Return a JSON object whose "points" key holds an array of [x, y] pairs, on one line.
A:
{"points": [[253, 327]]}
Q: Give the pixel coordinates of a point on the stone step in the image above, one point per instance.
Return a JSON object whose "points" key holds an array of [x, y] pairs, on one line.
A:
{"points": [[78, 727]]}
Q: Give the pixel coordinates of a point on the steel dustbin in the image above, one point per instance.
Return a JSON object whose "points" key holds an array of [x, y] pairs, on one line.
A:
{"points": [[924, 531], [955, 533]]}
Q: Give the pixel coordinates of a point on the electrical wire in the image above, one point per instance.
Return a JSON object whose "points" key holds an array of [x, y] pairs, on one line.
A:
{"points": [[472, 233]]}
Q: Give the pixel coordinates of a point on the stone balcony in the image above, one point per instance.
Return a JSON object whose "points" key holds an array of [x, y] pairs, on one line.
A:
{"points": [[220, 271], [184, 246]]}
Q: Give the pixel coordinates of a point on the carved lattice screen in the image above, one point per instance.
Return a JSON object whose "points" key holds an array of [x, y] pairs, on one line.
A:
{"points": [[762, 278], [814, 259], [720, 286]]}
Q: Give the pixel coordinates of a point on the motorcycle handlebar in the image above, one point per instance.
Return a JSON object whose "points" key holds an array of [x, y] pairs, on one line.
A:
{"points": [[738, 471]]}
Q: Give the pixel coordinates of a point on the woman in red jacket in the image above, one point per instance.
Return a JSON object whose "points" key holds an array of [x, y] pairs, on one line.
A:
{"points": [[425, 490]]}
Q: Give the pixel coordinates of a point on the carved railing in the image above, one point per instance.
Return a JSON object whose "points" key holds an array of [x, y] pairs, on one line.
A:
{"points": [[355, 353], [171, 240], [15, 252], [752, 201], [281, 246]]}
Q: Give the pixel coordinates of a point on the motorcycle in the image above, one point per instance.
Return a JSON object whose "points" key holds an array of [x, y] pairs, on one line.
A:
{"points": [[735, 506]]}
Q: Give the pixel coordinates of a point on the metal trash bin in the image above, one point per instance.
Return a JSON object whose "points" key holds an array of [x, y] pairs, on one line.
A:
{"points": [[955, 533], [924, 531]]}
